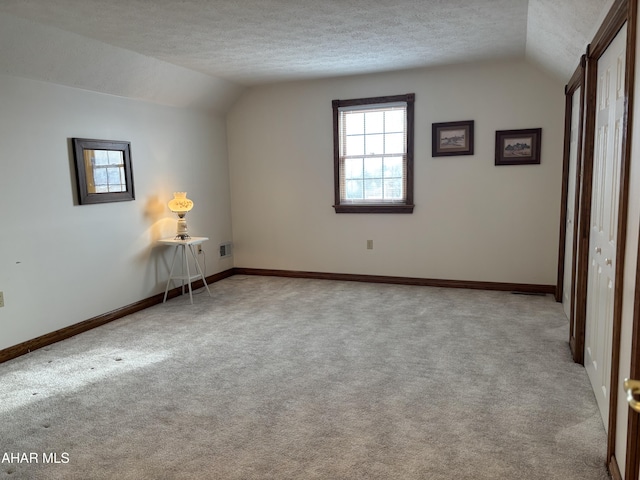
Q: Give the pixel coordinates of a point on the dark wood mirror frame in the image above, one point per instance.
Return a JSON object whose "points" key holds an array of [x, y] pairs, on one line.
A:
{"points": [[94, 177]]}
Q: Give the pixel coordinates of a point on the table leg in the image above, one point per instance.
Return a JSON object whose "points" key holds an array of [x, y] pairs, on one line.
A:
{"points": [[186, 262], [182, 256], [173, 263], [195, 259]]}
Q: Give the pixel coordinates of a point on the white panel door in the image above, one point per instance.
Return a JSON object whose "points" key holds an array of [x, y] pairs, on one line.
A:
{"points": [[567, 287], [604, 220]]}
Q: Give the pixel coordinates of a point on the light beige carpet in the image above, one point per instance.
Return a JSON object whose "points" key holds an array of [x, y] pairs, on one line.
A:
{"points": [[276, 378]]}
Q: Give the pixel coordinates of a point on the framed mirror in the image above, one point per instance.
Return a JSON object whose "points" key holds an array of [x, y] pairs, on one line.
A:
{"points": [[103, 170]]}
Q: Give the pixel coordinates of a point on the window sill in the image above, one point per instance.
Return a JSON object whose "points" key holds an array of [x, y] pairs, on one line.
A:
{"points": [[374, 208]]}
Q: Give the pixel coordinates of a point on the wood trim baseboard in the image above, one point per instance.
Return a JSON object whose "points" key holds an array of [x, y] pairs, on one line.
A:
{"points": [[75, 329], [424, 282]]}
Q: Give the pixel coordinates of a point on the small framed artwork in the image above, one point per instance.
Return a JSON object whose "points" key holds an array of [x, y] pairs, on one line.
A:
{"points": [[518, 147], [452, 138]]}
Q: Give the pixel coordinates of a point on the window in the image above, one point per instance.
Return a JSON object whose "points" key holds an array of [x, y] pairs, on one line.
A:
{"points": [[373, 154]]}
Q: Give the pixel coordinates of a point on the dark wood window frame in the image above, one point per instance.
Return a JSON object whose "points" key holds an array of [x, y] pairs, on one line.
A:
{"points": [[405, 207]]}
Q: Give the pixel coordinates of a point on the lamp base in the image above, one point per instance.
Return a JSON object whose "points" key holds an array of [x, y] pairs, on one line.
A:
{"points": [[182, 228]]}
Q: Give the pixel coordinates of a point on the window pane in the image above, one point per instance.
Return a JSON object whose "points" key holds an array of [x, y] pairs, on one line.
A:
{"points": [[373, 189], [352, 168], [393, 167], [354, 190], [394, 121], [354, 123], [374, 144], [394, 143], [100, 176], [374, 122], [114, 175], [355, 145], [115, 158], [373, 168], [101, 157], [102, 189], [393, 189]]}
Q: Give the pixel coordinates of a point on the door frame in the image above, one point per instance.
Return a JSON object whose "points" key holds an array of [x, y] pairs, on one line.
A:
{"points": [[632, 464], [576, 330], [621, 12], [633, 423]]}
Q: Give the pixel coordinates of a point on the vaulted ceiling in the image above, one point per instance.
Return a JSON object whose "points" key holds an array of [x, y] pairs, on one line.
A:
{"points": [[250, 42]]}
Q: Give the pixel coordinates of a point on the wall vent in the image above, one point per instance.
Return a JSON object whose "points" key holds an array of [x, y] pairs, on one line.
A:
{"points": [[225, 250]]}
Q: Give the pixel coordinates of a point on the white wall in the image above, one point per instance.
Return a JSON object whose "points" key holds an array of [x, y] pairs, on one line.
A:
{"points": [[472, 221], [62, 263], [40, 52]]}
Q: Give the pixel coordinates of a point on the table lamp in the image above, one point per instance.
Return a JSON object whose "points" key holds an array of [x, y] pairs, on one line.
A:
{"points": [[180, 204]]}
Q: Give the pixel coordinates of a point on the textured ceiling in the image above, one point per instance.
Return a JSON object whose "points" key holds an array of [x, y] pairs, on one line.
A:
{"points": [[257, 41], [558, 32]]}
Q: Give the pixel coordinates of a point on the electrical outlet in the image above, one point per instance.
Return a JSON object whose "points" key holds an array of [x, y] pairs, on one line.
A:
{"points": [[199, 249], [1, 299], [369, 244]]}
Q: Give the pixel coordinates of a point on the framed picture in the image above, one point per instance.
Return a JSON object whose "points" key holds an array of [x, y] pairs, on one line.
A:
{"points": [[452, 138], [103, 170], [518, 147]]}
